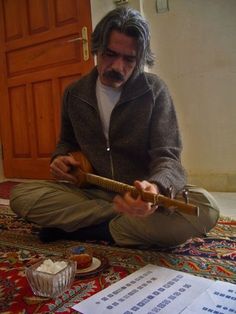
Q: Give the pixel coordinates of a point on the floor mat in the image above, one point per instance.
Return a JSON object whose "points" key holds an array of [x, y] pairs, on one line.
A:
{"points": [[212, 257], [6, 187]]}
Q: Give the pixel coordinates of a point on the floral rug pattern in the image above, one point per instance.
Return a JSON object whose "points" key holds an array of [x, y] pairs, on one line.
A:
{"points": [[212, 257]]}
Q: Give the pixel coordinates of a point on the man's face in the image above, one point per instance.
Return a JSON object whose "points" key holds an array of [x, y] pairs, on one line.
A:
{"points": [[117, 63]]}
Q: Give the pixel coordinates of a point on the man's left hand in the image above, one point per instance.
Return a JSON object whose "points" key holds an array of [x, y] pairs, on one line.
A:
{"points": [[136, 206]]}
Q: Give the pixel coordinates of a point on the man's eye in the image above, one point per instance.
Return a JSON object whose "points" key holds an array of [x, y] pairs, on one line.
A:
{"points": [[130, 59], [110, 54]]}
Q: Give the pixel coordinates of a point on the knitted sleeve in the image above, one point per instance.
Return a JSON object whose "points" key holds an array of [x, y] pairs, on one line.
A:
{"points": [[166, 169]]}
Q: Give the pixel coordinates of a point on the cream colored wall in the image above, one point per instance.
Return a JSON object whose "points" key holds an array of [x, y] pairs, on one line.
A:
{"points": [[99, 8], [195, 45]]}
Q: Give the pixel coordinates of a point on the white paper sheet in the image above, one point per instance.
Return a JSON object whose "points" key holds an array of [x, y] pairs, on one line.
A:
{"points": [[154, 289], [219, 298]]}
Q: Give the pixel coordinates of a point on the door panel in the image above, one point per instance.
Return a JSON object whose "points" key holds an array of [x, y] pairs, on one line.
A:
{"points": [[38, 60], [42, 56]]}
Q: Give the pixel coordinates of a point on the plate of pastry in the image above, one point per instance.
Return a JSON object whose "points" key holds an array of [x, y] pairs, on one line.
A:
{"points": [[88, 264]]}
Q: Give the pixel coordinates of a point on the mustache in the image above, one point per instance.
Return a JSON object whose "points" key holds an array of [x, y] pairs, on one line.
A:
{"points": [[114, 75]]}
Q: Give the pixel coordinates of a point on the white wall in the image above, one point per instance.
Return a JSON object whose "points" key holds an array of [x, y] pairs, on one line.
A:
{"points": [[195, 44], [99, 8]]}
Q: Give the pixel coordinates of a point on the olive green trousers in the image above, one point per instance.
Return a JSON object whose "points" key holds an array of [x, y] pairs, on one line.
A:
{"points": [[68, 207]]}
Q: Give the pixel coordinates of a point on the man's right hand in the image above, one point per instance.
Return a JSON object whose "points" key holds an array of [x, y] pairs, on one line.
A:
{"points": [[61, 167]]}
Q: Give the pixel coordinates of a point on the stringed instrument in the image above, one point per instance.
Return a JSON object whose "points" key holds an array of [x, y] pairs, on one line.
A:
{"points": [[85, 176]]}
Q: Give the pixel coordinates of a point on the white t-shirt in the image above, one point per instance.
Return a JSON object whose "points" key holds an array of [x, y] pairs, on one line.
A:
{"points": [[107, 98]]}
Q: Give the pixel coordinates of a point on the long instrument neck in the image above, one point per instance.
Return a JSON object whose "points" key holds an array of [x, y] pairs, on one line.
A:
{"points": [[120, 187], [155, 199]]}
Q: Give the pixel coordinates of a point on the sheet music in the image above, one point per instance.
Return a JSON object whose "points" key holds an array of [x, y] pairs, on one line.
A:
{"points": [[154, 289]]}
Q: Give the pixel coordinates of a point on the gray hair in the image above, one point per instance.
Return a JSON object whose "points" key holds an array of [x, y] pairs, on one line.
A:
{"points": [[131, 23]]}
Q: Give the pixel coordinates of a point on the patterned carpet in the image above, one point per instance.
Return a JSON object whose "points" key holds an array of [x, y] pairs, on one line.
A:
{"points": [[5, 188], [211, 257]]}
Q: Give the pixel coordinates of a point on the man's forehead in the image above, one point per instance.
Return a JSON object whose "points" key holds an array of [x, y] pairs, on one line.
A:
{"points": [[117, 52], [121, 41]]}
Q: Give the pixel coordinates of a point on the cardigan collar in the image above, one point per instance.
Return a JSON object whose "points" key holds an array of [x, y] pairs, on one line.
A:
{"points": [[85, 88]]}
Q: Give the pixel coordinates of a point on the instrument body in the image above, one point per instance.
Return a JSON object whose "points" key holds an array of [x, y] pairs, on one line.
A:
{"points": [[85, 176]]}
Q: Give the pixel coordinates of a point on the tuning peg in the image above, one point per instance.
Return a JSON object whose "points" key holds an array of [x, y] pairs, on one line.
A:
{"points": [[170, 192], [185, 196]]}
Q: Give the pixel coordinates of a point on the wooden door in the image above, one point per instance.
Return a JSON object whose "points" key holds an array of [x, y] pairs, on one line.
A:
{"points": [[40, 54]]}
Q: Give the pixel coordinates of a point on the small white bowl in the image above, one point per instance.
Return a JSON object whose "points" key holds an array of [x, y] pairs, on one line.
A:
{"points": [[51, 285]]}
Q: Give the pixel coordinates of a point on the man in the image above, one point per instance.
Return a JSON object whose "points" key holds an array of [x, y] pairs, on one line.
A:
{"points": [[123, 120]]}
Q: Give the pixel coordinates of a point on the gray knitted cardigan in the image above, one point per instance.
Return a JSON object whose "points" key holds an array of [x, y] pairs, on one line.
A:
{"points": [[144, 140]]}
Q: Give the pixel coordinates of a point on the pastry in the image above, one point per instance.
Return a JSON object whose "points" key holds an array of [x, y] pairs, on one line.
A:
{"points": [[82, 256]]}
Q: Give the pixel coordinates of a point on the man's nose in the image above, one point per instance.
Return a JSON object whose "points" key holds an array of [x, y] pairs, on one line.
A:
{"points": [[118, 64]]}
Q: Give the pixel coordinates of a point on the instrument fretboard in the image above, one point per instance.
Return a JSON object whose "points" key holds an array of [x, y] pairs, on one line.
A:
{"points": [[155, 199]]}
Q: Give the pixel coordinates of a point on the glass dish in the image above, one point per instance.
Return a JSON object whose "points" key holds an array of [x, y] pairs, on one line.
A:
{"points": [[51, 285]]}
